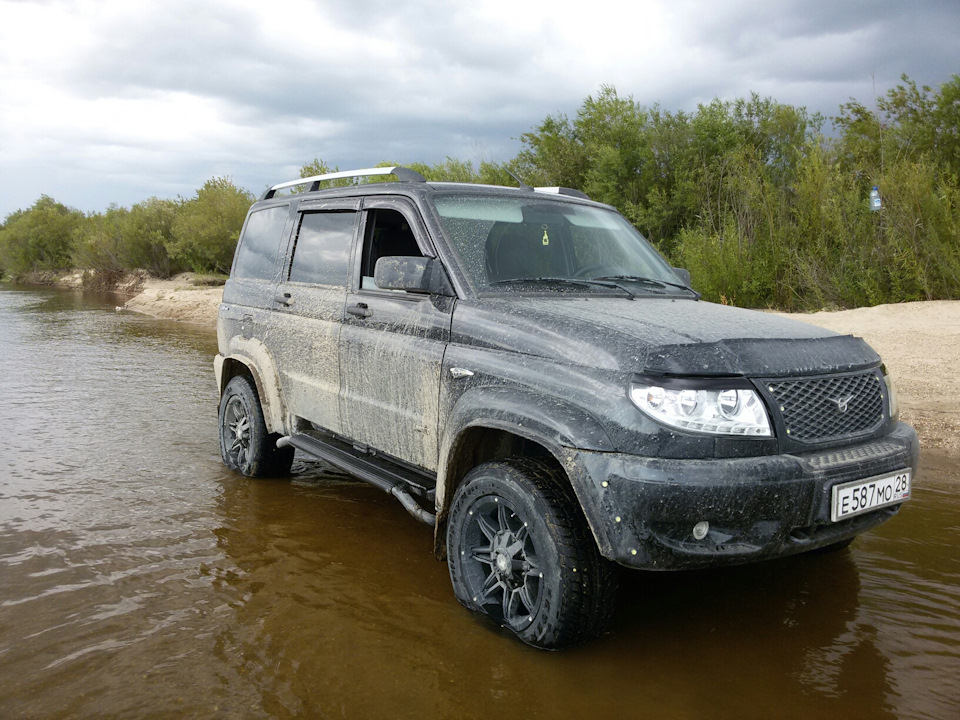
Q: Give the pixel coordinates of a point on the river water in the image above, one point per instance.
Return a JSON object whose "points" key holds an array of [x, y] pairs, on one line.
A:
{"points": [[140, 579]]}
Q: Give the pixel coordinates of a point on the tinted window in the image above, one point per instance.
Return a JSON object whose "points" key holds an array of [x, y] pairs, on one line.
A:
{"points": [[257, 252], [388, 234], [322, 251]]}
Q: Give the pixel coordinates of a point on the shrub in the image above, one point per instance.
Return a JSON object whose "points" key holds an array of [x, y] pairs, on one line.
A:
{"points": [[205, 229], [147, 232], [40, 238]]}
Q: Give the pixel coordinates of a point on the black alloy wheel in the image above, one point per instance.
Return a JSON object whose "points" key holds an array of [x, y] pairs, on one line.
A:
{"points": [[519, 551], [245, 444], [505, 574]]}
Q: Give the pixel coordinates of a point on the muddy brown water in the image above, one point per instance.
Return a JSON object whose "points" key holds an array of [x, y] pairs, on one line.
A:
{"points": [[140, 579]]}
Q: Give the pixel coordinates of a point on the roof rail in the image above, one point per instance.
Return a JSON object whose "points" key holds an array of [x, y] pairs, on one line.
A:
{"points": [[562, 191], [402, 173]]}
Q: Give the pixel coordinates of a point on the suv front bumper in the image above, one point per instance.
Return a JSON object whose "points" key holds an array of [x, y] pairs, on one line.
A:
{"points": [[643, 510]]}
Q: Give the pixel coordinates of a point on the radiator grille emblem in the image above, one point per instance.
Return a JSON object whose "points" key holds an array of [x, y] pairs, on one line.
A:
{"points": [[843, 402]]}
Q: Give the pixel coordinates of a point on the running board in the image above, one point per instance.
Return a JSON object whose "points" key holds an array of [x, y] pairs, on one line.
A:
{"points": [[370, 471]]}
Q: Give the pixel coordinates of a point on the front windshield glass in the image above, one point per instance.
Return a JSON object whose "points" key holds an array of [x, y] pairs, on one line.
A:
{"points": [[506, 243]]}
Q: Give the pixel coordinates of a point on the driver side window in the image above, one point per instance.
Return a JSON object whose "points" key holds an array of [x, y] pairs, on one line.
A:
{"points": [[387, 234]]}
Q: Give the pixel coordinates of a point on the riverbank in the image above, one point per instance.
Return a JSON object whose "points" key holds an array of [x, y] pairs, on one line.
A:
{"points": [[179, 298], [187, 297]]}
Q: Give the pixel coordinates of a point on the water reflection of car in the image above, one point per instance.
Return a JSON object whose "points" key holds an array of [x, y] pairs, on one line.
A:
{"points": [[522, 370]]}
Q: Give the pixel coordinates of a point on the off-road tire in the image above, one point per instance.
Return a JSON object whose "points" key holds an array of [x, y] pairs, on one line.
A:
{"points": [[519, 550], [245, 444]]}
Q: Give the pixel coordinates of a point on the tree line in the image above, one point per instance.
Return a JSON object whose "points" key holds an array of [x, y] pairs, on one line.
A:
{"points": [[762, 204], [163, 237]]}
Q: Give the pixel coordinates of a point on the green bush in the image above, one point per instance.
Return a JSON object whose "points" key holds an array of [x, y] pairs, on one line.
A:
{"points": [[761, 208], [40, 238], [206, 228], [120, 239], [920, 231], [98, 241], [147, 233]]}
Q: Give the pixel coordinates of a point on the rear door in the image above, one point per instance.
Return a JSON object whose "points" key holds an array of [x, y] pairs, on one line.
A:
{"points": [[309, 303], [392, 343], [247, 306]]}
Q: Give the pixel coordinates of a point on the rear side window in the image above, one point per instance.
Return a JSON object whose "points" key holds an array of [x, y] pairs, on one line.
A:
{"points": [[321, 255], [257, 252]]}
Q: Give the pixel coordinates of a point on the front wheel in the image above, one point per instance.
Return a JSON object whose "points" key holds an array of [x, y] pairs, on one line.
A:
{"points": [[245, 444], [519, 551]]}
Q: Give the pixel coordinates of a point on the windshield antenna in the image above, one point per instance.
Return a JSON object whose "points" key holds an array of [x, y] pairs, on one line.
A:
{"points": [[521, 183]]}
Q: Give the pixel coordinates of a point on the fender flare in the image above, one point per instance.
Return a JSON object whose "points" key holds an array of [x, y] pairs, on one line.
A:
{"points": [[253, 355], [552, 422]]}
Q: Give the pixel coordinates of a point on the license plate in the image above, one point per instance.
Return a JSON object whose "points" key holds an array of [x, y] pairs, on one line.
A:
{"points": [[860, 496]]}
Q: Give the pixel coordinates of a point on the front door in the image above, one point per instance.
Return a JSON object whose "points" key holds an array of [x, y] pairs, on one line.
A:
{"points": [[392, 344]]}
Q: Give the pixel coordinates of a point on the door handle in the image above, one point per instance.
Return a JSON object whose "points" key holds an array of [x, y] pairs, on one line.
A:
{"points": [[360, 310], [284, 299]]}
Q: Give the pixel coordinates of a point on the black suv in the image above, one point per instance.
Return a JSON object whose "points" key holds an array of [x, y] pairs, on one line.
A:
{"points": [[522, 370]]}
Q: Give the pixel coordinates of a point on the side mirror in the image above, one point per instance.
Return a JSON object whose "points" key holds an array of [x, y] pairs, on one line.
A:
{"points": [[413, 274], [683, 274]]}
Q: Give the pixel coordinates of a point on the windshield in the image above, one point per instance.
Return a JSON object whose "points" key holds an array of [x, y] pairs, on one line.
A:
{"points": [[510, 242]]}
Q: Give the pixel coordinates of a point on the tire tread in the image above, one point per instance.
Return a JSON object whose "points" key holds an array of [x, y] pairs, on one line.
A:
{"points": [[268, 460]]}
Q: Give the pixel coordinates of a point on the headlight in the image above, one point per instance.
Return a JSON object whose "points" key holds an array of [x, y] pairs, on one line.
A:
{"points": [[892, 401], [706, 406]]}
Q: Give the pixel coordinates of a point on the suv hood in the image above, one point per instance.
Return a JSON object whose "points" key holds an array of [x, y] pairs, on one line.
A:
{"points": [[659, 335]]}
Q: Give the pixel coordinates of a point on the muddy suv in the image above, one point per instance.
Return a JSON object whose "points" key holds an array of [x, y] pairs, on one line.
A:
{"points": [[523, 371]]}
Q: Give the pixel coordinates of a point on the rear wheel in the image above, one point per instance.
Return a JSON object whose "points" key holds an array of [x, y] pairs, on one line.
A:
{"points": [[245, 444], [519, 551]]}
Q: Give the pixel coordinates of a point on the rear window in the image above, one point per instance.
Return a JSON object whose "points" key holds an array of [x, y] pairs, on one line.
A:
{"points": [[257, 252], [322, 252]]}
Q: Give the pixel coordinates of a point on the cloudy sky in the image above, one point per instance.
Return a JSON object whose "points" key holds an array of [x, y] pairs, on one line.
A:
{"points": [[115, 101]]}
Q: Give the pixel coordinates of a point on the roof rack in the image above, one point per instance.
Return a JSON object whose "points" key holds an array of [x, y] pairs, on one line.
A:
{"points": [[402, 173]]}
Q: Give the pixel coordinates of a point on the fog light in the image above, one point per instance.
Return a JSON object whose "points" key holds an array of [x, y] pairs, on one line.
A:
{"points": [[700, 530]]}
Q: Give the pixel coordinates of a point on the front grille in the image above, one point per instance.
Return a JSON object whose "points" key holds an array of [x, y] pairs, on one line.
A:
{"points": [[821, 409]]}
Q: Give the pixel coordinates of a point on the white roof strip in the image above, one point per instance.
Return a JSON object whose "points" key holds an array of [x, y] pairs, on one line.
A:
{"points": [[402, 173], [561, 191], [335, 176]]}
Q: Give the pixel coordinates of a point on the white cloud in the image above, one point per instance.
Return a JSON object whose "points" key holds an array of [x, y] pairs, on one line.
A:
{"points": [[111, 101]]}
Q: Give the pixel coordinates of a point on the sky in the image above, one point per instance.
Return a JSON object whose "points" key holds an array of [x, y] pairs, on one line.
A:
{"points": [[115, 101]]}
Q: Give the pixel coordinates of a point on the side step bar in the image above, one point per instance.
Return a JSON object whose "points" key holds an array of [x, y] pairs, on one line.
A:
{"points": [[368, 471]]}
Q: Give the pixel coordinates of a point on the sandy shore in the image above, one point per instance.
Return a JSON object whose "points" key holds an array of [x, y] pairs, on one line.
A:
{"points": [[919, 342], [178, 299]]}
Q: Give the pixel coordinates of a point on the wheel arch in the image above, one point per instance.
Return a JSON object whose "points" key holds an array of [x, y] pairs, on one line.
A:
{"points": [[251, 358], [496, 423]]}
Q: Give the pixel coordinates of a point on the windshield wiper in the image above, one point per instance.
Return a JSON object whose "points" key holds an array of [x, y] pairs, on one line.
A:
{"points": [[568, 281], [650, 281], [507, 281]]}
